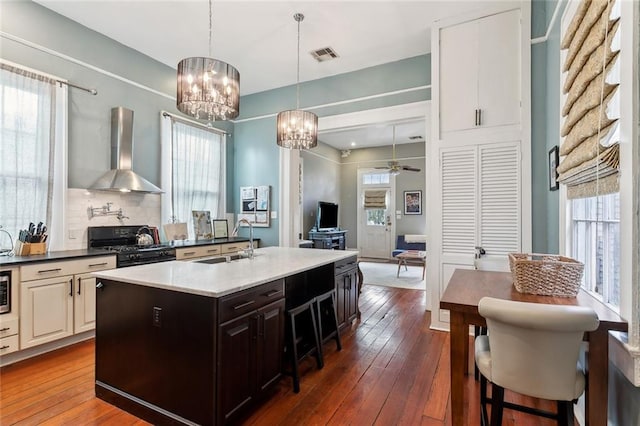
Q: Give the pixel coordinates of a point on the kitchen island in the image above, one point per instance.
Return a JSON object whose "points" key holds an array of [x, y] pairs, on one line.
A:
{"points": [[199, 343]]}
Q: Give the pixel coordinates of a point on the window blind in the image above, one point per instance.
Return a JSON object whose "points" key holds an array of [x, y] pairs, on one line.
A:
{"points": [[375, 199], [590, 113]]}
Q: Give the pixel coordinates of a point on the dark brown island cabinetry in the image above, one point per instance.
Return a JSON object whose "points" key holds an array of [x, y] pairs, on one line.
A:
{"points": [[176, 352], [346, 279], [180, 358], [250, 349]]}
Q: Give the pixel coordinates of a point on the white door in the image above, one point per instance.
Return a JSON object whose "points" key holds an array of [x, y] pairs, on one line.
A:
{"points": [[375, 225], [481, 210], [499, 70], [376, 231], [458, 77], [46, 310], [84, 303]]}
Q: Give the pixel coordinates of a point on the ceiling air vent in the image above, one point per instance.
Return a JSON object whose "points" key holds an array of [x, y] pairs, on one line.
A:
{"points": [[324, 54], [415, 138]]}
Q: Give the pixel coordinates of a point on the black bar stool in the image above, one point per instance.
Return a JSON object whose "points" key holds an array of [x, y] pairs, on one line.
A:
{"points": [[299, 338], [328, 318]]}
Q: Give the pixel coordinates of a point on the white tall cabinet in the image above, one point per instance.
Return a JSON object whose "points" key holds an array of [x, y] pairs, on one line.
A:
{"points": [[479, 77], [479, 182]]}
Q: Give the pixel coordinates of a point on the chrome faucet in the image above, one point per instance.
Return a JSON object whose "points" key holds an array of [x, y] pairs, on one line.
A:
{"points": [[249, 251]]}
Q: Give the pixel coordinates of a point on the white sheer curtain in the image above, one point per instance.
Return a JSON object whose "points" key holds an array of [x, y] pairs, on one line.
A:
{"points": [[193, 171], [29, 154]]}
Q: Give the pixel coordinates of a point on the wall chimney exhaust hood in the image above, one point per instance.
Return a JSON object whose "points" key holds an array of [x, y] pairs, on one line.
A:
{"points": [[121, 178]]}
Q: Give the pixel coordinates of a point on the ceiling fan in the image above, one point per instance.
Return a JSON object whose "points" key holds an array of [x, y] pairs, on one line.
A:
{"points": [[394, 167]]}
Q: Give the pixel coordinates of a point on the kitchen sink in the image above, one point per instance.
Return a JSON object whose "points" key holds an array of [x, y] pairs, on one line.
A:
{"points": [[221, 259]]}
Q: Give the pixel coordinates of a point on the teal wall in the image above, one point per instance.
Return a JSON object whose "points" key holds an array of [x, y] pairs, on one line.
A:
{"points": [[256, 155], [545, 82], [552, 107], [90, 116]]}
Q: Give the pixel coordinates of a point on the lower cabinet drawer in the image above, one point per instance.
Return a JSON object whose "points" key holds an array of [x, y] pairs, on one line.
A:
{"points": [[235, 247], [8, 327], [238, 304], [9, 344]]}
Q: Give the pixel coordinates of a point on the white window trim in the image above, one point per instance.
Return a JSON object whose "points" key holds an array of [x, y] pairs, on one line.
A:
{"points": [[626, 354]]}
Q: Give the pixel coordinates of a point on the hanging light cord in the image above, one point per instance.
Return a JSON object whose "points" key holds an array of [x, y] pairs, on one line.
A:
{"points": [[210, 26], [298, 17]]}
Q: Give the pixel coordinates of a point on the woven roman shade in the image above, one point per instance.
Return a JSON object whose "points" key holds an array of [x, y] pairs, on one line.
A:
{"points": [[375, 199], [590, 149]]}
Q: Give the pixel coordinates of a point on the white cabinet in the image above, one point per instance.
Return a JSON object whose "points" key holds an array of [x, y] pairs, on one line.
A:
{"points": [[46, 310], [480, 150], [62, 304], [479, 73], [84, 303]]}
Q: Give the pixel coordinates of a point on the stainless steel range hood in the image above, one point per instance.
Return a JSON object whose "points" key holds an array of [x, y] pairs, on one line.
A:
{"points": [[121, 178]]}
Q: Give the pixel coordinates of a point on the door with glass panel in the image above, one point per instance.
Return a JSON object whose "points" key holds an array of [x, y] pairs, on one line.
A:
{"points": [[375, 230]]}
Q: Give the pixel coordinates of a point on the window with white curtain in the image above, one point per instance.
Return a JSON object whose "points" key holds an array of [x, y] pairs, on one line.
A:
{"points": [[32, 152], [193, 171]]}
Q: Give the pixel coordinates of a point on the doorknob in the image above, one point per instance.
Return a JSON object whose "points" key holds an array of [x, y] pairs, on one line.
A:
{"points": [[479, 252]]}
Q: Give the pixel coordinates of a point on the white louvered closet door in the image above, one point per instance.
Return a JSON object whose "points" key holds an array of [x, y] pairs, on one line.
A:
{"points": [[481, 206]]}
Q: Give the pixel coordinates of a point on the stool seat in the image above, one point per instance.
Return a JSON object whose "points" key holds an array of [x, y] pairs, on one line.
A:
{"points": [[328, 318], [299, 334]]}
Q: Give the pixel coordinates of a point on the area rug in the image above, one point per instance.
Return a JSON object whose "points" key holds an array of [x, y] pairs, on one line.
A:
{"points": [[384, 274]]}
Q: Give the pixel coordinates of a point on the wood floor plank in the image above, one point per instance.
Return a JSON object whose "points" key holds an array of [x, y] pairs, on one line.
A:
{"points": [[393, 370]]}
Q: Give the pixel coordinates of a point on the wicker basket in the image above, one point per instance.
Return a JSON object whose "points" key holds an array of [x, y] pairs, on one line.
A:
{"points": [[546, 274]]}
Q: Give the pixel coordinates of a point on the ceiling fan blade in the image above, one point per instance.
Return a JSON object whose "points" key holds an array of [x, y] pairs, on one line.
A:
{"points": [[410, 169], [382, 168]]}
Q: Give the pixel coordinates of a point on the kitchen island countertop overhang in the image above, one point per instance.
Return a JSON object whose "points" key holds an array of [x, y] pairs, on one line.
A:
{"points": [[221, 279]]}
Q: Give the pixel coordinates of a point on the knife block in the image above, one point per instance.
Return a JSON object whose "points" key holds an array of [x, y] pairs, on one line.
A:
{"points": [[26, 249]]}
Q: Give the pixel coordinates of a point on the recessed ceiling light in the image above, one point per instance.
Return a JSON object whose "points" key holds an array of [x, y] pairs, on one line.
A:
{"points": [[353, 143]]}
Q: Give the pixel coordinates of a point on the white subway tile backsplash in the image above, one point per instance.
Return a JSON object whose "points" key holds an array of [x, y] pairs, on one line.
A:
{"points": [[139, 209]]}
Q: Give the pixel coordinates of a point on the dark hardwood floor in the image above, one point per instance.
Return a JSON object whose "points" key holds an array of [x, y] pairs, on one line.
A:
{"points": [[392, 370]]}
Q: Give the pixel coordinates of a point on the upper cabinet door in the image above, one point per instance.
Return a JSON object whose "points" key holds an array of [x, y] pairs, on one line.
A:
{"points": [[458, 76], [479, 74], [499, 70]]}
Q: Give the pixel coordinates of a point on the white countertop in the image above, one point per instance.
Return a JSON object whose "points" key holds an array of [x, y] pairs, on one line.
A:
{"points": [[220, 279]]}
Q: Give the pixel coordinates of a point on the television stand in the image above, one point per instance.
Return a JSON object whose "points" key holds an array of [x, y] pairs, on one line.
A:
{"points": [[333, 239]]}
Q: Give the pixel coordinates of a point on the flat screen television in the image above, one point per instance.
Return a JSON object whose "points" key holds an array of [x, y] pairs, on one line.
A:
{"points": [[327, 218]]}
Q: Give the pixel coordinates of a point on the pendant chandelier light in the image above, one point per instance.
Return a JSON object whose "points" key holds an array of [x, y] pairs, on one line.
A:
{"points": [[297, 128], [208, 89]]}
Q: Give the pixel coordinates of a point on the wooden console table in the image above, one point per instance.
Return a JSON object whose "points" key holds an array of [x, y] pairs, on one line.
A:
{"points": [[464, 291], [328, 239]]}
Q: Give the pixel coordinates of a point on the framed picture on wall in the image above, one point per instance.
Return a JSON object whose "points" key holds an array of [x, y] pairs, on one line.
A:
{"points": [[554, 158], [413, 202]]}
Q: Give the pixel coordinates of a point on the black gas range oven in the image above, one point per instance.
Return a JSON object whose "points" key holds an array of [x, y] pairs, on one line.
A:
{"points": [[122, 240]]}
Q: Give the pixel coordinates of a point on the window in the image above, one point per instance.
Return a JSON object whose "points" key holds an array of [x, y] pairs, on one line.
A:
{"points": [[376, 217], [375, 178], [33, 150], [595, 224], [193, 171]]}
